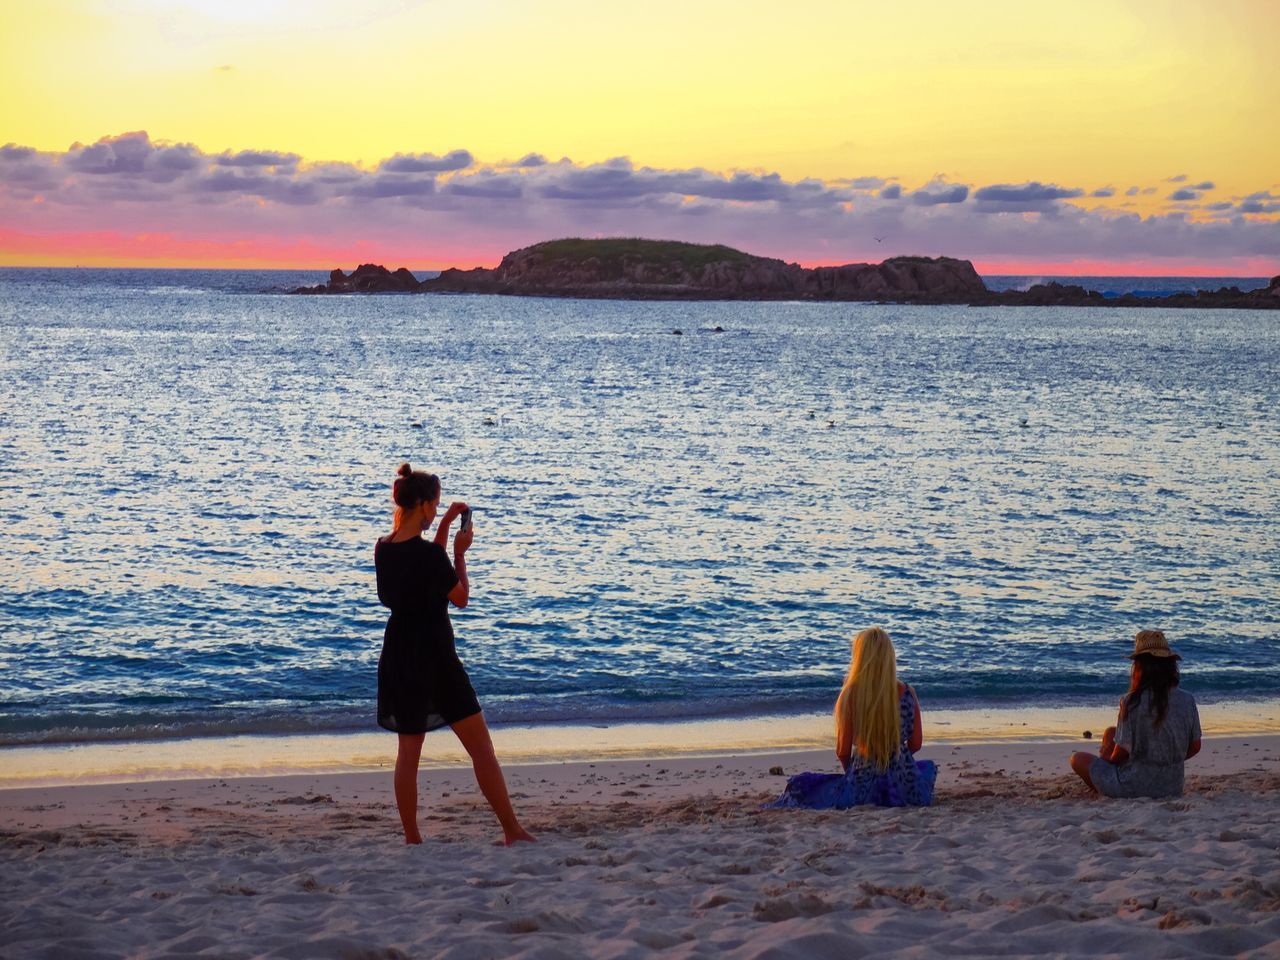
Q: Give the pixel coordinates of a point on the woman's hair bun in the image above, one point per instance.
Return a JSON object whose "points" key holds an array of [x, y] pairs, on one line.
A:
{"points": [[414, 487]]}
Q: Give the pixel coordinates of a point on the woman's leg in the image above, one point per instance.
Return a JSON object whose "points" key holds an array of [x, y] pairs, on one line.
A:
{"points": [[406, 782], [474, 734], [1080, 762]]}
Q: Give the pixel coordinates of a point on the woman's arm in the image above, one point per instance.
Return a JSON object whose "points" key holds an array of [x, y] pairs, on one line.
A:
{"points": [[1108, 745], [844, 743], [442, 529], [461, 592], [1109, 751], [844, 748], [917, 733]]}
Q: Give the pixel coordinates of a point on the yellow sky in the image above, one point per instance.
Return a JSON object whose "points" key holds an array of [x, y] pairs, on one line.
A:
{"points": [[1085, 95]]}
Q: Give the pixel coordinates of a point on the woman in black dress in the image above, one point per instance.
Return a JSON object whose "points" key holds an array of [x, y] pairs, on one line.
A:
{"points": [[421, 683]]}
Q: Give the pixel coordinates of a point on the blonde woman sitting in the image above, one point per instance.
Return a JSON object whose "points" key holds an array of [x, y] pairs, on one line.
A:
{"points": [[877, 720]]}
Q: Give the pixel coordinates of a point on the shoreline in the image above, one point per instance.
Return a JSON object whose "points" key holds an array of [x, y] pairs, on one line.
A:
{"points": [[266, 755]]}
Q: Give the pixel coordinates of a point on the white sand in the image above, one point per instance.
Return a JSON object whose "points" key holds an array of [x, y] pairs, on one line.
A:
{"points": [[670, 857]]}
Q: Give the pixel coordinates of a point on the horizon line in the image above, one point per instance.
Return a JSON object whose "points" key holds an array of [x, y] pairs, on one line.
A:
{"points": [[1024, 270]]}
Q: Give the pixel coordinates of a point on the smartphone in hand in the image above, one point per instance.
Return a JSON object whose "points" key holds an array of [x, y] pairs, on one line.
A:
{"points": [[466, 521]]}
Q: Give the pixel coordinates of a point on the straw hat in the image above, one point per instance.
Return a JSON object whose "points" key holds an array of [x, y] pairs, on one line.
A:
{"points": [[1151, 642]]}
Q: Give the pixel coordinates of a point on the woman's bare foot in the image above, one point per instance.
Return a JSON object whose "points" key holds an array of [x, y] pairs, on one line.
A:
{"points": [[519, 835], [412, 838]]}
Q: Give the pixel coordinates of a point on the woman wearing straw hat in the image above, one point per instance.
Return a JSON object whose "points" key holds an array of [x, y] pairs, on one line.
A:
{"points": [[1157, 731]]}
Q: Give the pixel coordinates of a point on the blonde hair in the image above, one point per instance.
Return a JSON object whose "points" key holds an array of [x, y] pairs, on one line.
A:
{"points": [[867, 708]]}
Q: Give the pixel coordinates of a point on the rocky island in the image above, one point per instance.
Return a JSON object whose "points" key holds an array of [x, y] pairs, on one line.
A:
{"points": [[633, 269]]}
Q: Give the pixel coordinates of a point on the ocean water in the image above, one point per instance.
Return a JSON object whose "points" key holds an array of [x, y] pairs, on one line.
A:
{"points": [[193, 472]]}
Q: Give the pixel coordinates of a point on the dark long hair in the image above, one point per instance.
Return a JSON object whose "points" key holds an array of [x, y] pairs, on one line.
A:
{"points": [[1153, 675]]}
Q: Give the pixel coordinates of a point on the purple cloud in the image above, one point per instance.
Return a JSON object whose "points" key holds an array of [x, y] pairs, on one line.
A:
{"points": [[1260, 202], [938, 192], [133, 155], [488, 185], [610, 181], [617, 182], [257, 158], [1177, 178], [25, 172], [11, 152], [1023, 198], [129, 183], [126, 153], [177, 159], [331, 174], [228, 181], [427, 162], [1184, 195], [383, 186]]}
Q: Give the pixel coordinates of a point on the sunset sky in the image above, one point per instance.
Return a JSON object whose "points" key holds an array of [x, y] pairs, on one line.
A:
{"points": [[1127, 136]]}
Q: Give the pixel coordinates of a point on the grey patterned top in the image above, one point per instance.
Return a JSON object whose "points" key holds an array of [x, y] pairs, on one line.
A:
{"points": [[1156, 754]]}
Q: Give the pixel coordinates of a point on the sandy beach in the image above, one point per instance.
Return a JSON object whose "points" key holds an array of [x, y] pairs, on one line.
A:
{"points": [[653, 856]]}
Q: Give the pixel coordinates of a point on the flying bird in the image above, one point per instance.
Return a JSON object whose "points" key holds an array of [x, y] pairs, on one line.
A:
{"points": [[878, 239]]}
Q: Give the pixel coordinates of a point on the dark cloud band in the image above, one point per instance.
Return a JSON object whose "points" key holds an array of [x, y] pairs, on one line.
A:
{"points": [[129, 180]]}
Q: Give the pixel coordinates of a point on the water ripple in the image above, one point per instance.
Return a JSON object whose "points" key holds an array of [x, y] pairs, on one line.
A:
{"points": [[665, 526]]}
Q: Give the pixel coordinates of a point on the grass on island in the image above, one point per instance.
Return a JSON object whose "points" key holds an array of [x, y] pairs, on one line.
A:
{"points": [[616, 250]]}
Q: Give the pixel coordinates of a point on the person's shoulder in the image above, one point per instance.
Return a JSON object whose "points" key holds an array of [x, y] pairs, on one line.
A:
{"points": [[386, 541], [403, 548], [1179, 695]]}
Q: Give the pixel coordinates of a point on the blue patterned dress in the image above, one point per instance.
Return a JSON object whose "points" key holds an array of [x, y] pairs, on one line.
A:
{"points": [[906, 782]]}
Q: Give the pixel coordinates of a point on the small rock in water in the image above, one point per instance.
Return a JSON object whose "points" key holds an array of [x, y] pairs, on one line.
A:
{"points": [[776, 771], [677, 333], [489, 421], [1088, 734], [717, 329], [416, 425]]}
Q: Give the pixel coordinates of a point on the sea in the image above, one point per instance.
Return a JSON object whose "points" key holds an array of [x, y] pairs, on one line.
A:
{"points": [[682, 510]]}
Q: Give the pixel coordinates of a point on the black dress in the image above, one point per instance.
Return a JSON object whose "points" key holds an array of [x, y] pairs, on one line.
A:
{"points": [[422, 684]]}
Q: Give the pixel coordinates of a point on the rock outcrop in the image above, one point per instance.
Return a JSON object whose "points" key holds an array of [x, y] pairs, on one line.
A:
{"points": [[665, 270], [367, 278], [626, 269], [1060, 295]]}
